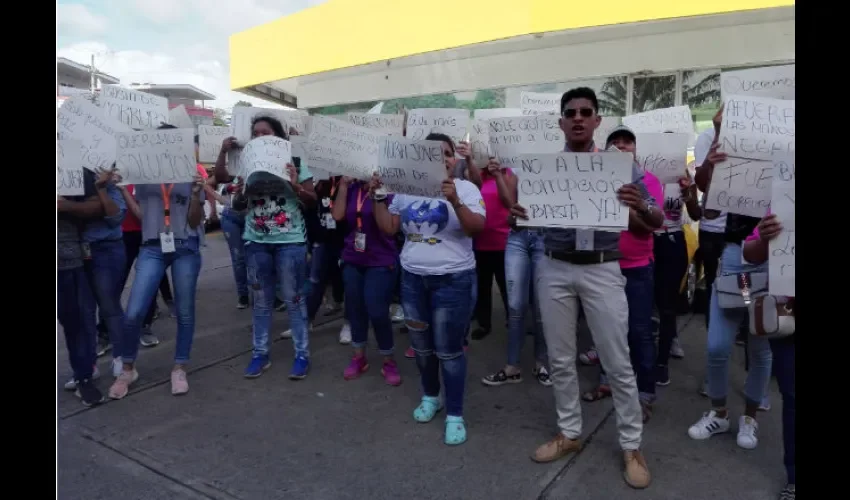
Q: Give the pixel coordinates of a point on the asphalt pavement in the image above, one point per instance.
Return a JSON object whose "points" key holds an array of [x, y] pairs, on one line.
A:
{"points": [[325, 438]]}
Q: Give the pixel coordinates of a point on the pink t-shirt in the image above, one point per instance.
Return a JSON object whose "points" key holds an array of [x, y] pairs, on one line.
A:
{"points": [[637, 249], [494, 236]]}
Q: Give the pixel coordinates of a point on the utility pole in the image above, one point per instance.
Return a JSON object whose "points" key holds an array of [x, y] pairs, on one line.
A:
{"points": [[91, 76]]}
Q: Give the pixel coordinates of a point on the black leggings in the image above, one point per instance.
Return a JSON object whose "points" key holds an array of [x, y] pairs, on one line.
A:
{"points": [[671, 263], [489, 264]]}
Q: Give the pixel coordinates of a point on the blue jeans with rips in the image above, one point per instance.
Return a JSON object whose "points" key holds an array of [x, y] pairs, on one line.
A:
{"points": [[75, 309], [185, 264], [437, 311], [368, 295], [270, 265], [106, 270], [233, 225], [524, 250]]}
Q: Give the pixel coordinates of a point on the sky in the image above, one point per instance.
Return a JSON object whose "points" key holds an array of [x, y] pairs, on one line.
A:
{"points": [[165, 41]]}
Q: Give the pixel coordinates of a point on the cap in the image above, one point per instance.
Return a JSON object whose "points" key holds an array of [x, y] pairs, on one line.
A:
{"points": [[620, 130]]}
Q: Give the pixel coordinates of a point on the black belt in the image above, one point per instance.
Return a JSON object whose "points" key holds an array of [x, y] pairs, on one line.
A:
{"points": [[585, 257]]}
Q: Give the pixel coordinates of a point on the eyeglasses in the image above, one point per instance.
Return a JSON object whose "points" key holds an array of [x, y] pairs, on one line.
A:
{"points": [[584, 112]]}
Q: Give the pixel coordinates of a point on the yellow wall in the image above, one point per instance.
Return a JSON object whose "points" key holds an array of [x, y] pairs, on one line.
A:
{"points": [[345, 33]]}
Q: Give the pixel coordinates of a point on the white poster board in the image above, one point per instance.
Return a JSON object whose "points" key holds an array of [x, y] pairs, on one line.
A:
{"points": [[452, 122], [782, 249], [138, 110], [489, 114], [512, 137], [536, 103], [479, 142], [775, 82], [79, 119], [340, 148], [156, 156], [606, 125], [574, 190], [383, 124], [268, 153], [412, 167], [210, 138], [664, 155], [676, 119], [757, 127], [69, 168], [741, 186], [242, 116], [179, 117]]}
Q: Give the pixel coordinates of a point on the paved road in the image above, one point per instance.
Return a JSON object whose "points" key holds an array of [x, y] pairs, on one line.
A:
{"points": [[327, 439]]}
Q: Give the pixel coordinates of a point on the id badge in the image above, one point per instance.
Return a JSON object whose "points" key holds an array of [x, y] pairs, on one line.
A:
{"points": [[86, 250], [330, 223], [360, 241], [166, 241], [584, 240]]}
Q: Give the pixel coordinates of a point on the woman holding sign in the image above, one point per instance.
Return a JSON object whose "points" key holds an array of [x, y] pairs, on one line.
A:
{"points": [[172, 215], [438, 284]]}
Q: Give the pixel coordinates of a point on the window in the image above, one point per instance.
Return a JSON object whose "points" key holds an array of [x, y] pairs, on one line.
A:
{"points": [[701, 91]]}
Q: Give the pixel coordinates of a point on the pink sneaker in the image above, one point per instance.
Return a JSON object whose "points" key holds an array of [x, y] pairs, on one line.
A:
{"points": [[357, 366], [179, 383], [390, 373], [409, 353]]}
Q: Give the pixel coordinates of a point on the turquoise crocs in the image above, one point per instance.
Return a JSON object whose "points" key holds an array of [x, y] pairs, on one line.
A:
{"points": [[455, 430], [426, 410]]}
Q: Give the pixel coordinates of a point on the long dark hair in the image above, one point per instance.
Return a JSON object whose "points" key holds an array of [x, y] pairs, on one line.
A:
{"points": [[274, 123]]}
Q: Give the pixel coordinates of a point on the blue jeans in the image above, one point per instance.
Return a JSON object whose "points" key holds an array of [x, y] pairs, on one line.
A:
{"points": [[784, 358], [523, 252], [323, 264], [437, 312], [266, 263], [368, 295], [106, 270], [75, 308], [722, 329], [671, 263], [185, 263], [232, 225]]}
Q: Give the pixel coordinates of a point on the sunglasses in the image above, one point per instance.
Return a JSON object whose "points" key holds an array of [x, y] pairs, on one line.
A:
{"points": [[584, 112]]}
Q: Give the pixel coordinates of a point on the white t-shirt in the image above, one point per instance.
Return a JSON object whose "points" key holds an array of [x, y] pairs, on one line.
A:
{"points": [[703, 144], [434, 241]]}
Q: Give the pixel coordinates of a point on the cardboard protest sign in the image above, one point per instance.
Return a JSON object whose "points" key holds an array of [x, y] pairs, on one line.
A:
{"points": [[510, 138], [741, 186], [268, 154], [164, 156], [341, 148], [209, 142], [774, 82], [412, 167], [757, 128], [137, 110], [179, 117], [69, 168], [664, 155], [81, 120], [782, 261], [452, 122], [536, 103], [383, 124]]}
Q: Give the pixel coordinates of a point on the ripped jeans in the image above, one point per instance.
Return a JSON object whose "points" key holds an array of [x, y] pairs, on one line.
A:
{"points": [[266, 262], [437, 310]]}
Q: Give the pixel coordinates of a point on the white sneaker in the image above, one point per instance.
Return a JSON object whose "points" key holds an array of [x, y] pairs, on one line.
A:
{"points": [[117, 366], [397, 313], [747, 430], [590, 357], [345, 334], [709, 425], [71, 385], [676, 349], [287, 334]]}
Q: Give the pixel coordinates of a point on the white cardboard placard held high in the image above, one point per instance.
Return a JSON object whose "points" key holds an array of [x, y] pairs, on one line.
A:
{"points": [[664, 155], [210, 138], [758, 128], [81, 120], [341, 148], [782, 249], [179, 117], [156, 156], [137, 110], [741, 186], [775, 82], [69, 168], [268, 154], [412, 167], [512, 137], [452, 122], [536, 103]]}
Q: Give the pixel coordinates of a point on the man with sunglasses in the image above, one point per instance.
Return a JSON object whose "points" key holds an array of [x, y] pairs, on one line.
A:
{"points": [[591, 273]]}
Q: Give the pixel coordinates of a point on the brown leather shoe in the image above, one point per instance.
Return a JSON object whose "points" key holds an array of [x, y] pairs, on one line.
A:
{"points": [[557, 448], [636, 473]]}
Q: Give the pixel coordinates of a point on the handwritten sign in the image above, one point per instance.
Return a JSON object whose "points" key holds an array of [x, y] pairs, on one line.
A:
{"points": [[775, 82], [179, 117], [606, 125], [412, 167], [512, 137], [664, 155], [383, 124], [452, 122], [341, 148], [676, 119], [535, 103], [479, 142], [242, 117], [491, 113], [81, 120], [741, 186], [138, 110], [267, 153], [209, 142], [69, 168], [574, 190], [757, 127], [156, 156], [782, 259]]}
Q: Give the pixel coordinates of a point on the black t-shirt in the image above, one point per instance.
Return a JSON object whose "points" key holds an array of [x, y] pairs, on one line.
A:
{"points": [[319, 217], [738, 227]]}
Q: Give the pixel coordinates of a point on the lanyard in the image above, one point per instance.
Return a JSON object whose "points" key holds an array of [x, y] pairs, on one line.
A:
{"points": [[166, 204], [360, 201]]}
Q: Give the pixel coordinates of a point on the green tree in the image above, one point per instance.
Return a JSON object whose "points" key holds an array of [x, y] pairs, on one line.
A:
{"points": [[242, 103], [218, 117]]}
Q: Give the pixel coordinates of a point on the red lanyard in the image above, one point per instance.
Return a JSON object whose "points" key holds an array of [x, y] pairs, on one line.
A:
{"points": [[360, 201], [166, 204]]}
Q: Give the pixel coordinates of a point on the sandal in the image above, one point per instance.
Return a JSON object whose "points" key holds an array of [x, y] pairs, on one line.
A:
{"points": [[646, 409], [427, 409], [601, 392], [455, 431]]}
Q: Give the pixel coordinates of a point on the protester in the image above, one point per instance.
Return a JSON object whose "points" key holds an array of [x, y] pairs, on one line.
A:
{"points": [[568, 275], [369, 270], [233, 226], [172, 216], [523, 251], [275, 250], [438, 285]]}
